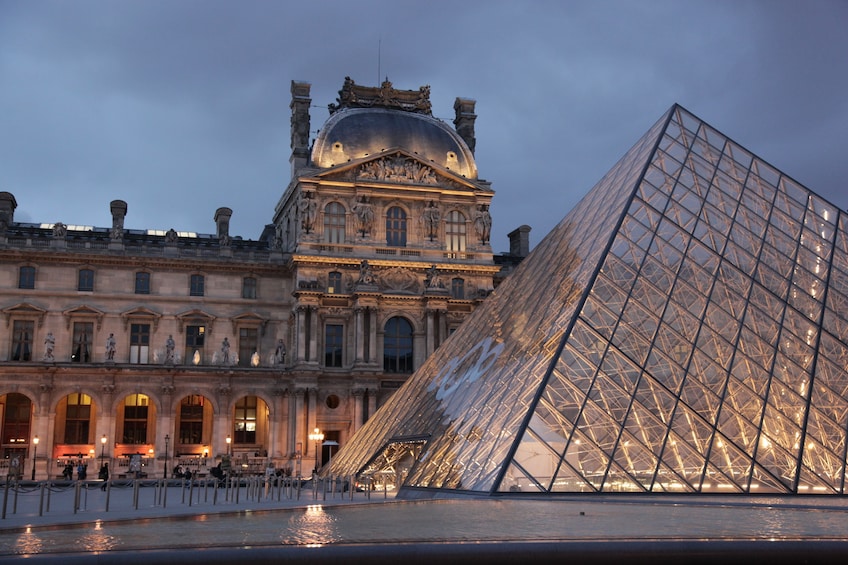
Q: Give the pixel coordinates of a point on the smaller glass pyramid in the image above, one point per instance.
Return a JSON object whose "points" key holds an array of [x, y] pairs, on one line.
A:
{"points": [[683, 329]]}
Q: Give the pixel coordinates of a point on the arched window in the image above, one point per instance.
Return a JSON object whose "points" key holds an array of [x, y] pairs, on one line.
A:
{"points": [[458, 288], [397, 346], [455, 231], [396, 227], [334, 223]]}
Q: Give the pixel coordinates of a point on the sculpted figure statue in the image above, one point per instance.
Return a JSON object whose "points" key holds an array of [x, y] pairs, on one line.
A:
{"points": [[364, 214], [366, 276], [171, 236], [225, 351], [483, 223], [308, 209], [432, 215], [170, 345], [110, 347], [59, 229], [280, 353], [49, 344]]}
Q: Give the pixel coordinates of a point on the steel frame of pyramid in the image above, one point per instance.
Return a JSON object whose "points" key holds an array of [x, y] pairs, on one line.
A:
{"points": [[683, 329]]}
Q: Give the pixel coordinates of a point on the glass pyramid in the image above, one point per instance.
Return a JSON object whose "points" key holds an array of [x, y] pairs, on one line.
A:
{"points": [[683, 329]]}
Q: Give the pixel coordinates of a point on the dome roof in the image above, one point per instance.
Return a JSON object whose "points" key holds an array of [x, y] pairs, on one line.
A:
{"points": [[354, 133]]}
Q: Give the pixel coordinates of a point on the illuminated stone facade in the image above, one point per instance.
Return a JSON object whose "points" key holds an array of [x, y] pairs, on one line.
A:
{"points": [[180, 347], [682, 330]]}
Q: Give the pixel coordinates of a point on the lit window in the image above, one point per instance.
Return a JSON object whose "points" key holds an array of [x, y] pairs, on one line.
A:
{"points": [[245, 420], [191, 420], [455, 231], [194, 343], [77, 418], [334, 282], [135, 419], [334, 223]]}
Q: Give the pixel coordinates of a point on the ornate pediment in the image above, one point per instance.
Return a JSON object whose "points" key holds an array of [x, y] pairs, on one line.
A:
{"points": [[195, 316], [397, 167], [139, 314], [26, 310], [83, 311], [249, 319]]}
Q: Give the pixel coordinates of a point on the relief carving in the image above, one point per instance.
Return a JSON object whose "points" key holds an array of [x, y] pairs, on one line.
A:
{"points": [[398, 279], [397, 168]]}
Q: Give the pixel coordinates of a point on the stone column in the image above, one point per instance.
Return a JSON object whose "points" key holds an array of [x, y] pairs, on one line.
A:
{"points": [[358, 398], [431, 346], [313, 334], [359, 336], [300, 334], [372, 329]]}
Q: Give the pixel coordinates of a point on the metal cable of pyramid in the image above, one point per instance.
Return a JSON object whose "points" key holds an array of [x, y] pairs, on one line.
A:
{"points": [[682, 330]]}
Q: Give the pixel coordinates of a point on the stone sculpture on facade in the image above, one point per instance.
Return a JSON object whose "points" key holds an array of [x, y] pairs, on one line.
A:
{"points": [[431, 217], [170, 346], [483, 223], [280, 353], [59, 229], [366, 275], [49, 344], [364, 215], [308, 210], [110, 347]]}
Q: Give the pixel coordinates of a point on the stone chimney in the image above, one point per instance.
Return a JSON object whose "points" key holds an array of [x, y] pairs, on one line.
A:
{"points": [[464, 120], [222, 220], [7, 209], [299, 125], [519, 241], [119, 212]]}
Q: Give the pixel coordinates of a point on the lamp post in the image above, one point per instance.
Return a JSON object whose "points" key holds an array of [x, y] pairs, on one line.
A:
{"points": [[102, 449], [317, 437], [229, 441], [167, 441], [34, 451]]}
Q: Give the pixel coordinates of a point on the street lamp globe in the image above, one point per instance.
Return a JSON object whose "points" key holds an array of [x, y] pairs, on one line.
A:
{"points": [[34, 450]]}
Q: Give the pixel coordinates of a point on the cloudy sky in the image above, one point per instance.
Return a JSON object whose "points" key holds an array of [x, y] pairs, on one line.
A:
{"points": [[180, 107]]}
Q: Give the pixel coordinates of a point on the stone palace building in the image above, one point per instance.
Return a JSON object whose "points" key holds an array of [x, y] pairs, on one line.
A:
{"points": [[147, 348]]}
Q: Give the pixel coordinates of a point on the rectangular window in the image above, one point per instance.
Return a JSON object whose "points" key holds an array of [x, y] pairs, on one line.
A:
{"points": [[248, 287], [245, 420], [77, 418], [196, 287], [457, 288], [86, 280], [333, 345], [26, 277], [194, 344], [22, 337], [248, 345], [139, 343], [83, 337], [334, 282], [142, 283], [135, 419], [191, 420]]}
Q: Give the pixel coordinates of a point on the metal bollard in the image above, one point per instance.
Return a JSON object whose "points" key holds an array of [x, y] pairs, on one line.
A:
{"points": [[41, 499]]}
